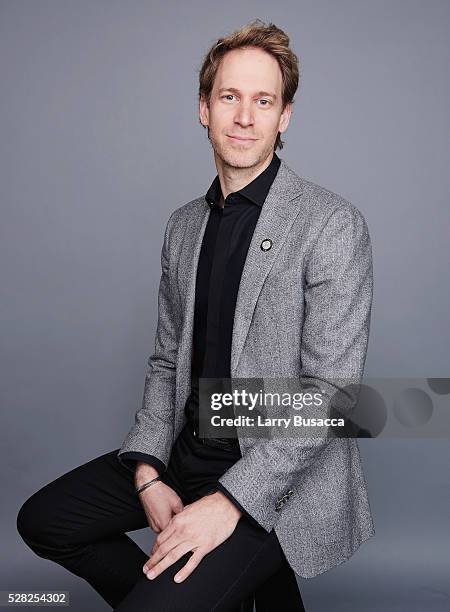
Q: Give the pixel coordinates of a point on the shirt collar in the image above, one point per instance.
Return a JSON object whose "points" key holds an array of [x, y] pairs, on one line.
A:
{"points": [[256, 191]]}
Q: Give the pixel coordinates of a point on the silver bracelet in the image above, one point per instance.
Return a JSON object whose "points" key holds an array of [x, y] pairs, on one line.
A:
{"points": [[147, 484]]}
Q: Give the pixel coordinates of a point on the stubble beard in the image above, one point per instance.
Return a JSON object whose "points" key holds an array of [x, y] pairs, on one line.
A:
{"points": [[234, 159]]}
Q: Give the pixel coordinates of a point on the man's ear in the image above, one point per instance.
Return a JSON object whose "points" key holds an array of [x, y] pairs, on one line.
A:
{"points": [[285, 117], [203, 111]]}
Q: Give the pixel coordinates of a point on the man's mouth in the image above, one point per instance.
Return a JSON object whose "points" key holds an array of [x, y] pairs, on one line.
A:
{"points": [[241, 138]]}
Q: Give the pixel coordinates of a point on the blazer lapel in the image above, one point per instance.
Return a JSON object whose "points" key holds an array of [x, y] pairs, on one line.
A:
{"points": [[278, 213]]}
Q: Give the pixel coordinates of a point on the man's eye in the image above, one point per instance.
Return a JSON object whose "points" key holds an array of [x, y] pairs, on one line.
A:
{"points": [[229, 96]]}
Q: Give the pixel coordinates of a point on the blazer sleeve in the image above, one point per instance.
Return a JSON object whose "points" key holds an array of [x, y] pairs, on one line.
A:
{"points": [[338, 288], [129, 460], [152, 432]]}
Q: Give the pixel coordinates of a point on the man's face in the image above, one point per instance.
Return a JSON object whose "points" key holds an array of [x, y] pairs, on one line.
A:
{"points": [[245, 102]]}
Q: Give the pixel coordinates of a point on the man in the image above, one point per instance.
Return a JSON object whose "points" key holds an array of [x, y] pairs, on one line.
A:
{"points": [[267, 276]]}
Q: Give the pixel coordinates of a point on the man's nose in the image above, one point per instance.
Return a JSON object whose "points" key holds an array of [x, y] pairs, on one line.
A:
{"points": [[244, 114]]}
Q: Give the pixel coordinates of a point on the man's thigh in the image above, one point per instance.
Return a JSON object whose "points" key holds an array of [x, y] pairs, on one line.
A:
{"points": [[223, 578], [92, 501]]}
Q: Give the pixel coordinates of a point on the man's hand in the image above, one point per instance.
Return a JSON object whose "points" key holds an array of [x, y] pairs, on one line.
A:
{"points": [[200, 528], [159, 501]]}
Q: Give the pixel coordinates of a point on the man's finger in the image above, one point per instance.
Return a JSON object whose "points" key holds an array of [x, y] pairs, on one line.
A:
{"points": [[171, 557], [164, 549], [165, 533], [159, 551], [190, 566], [154, 549], [155, 546]]}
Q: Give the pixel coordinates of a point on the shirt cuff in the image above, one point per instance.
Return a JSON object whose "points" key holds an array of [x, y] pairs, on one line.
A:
{"points": [[219, 487], [130, 458]]}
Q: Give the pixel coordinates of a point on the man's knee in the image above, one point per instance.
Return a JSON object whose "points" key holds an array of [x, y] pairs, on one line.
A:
{"points": [[32, 521]]}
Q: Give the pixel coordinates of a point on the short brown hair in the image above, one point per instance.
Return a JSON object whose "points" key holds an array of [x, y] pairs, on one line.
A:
{"points": [[267, 37]]}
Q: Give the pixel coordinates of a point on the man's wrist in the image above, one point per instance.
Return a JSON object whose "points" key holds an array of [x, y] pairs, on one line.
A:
{"points": [[228, 503], [143, 473]]}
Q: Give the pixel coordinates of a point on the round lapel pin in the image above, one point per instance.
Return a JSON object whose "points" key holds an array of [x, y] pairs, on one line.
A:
{"points": [[266, 244]]}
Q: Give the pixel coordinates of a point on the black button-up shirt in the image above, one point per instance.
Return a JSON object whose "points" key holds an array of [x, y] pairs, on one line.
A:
{"points": [[225, 244]]}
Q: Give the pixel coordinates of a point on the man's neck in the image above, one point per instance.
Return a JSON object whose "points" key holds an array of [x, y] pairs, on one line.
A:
{"points": [[233, 179]]}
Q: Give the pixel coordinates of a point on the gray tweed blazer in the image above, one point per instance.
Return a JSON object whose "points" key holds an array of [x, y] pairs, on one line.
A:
{"points": [[303, 311]]}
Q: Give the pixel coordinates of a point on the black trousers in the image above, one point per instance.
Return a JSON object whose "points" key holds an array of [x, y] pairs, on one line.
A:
{"points": [[80, 521]]}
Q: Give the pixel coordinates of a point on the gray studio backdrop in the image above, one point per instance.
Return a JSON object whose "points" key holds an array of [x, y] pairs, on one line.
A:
{"points": [[100, 141]]}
